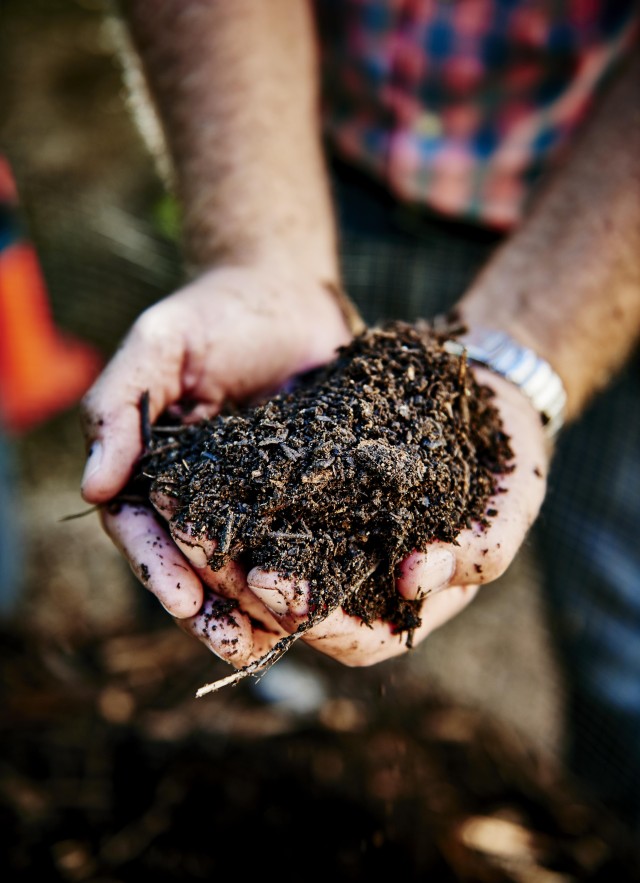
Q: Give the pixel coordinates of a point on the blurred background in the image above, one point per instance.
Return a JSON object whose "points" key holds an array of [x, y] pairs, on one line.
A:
{"points": [[446, 762]]}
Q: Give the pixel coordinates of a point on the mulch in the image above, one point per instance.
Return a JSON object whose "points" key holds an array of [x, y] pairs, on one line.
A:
{"points": [[390, 447]]}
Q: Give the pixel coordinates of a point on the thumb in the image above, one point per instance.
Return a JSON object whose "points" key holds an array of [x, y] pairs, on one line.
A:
{"points": [[114, 444], [111, 413]]}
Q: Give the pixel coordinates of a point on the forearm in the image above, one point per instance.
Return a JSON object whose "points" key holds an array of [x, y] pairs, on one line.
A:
{"points": [[567, 284], [235, 86]]}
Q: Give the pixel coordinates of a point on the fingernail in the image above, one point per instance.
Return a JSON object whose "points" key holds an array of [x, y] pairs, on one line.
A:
{"points": [[94, 461], [278, 594], [438, 570], [195, 553], [271, 598]]}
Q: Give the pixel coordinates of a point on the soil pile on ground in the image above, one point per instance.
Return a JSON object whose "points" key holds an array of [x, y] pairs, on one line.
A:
{"points": [[389, 447]]}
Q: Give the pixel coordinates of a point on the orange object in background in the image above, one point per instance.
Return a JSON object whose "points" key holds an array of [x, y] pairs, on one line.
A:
{"points": [[42, 371], [8, 192]]}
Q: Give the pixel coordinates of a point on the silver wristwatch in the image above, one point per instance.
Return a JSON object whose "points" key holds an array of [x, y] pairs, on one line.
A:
{"points": [[533, 375]]}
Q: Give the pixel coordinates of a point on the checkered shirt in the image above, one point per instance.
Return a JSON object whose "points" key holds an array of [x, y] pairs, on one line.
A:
{"points": [[460, 105]]}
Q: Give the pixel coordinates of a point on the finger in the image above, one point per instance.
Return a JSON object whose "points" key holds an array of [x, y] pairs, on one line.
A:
{"points": [[223, 628], [228, 581], [424, 573], [149, 360], [198, 550], [164, 504], [287, 598], [154, 558], [347, 639], [439, 608]]}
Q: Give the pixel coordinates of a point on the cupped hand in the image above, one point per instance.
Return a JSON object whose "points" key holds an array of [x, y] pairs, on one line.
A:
{"points": [[234, 334], [246, 614]]}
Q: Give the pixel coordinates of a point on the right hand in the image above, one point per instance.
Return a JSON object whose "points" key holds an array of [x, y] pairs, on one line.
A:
{"points": [[234, 334]]}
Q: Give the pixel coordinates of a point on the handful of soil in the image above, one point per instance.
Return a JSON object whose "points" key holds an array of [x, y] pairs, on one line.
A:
{"points": [[391, 446]]}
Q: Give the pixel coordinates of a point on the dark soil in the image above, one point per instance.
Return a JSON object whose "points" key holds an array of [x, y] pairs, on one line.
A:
{"points": [[390, 447], [112, 773]]}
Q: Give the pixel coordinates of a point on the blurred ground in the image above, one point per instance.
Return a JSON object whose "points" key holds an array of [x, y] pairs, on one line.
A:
{"points": [[444, 762]]}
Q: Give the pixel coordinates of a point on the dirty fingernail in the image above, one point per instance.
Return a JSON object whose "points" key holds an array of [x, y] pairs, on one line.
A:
{"points": [[271, 598], [278, 594], [439, 567], [163, 503], [192, 551]]}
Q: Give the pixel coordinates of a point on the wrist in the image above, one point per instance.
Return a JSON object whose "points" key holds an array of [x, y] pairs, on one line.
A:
{"points": [[523, 367], [289, 309], [312, 283], [289, 253]]}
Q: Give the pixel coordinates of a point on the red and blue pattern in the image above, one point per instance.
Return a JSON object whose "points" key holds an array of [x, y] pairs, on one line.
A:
{"points": [[462, 104]]}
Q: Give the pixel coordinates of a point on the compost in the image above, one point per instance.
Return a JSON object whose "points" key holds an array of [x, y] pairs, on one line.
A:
{"points": [[336, 480]]}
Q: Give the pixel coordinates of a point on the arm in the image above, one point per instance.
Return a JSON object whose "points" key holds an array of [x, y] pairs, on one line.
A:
{"points": [[567, 284], [235, 87]]}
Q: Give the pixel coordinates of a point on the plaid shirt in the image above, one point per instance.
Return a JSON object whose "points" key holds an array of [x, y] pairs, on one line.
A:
{"points": [[462, 104]]}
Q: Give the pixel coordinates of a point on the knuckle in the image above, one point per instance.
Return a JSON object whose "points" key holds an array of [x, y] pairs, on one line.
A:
{"points": [[488, 564], [154, 327]]}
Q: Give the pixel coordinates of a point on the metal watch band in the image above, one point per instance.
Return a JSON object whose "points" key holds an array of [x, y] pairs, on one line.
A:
{"points": [[533, 375]]}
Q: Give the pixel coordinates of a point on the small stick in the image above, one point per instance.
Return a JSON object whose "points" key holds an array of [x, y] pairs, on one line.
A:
{"points": [[279, 649], [284, 535], [145, 422], [80, 514], [227, 535], [171, 430], [462, 371], [170, 446], [264, 662]]}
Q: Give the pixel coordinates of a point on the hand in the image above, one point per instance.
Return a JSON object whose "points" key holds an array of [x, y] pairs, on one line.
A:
{"points": [[233, 334], [447, 576], [262, 607]]}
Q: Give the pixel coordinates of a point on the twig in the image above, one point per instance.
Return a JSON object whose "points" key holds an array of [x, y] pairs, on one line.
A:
{"points": [[171, 430], [145, 421], [132, 499], [280, 648], [79, 514], [266, 661]]}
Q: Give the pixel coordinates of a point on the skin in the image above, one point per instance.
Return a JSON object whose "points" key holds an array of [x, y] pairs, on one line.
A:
{"points": [[260, 241], [567, 282]]}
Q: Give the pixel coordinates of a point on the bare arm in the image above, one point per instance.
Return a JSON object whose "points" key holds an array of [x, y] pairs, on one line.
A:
{"points": [[567, 284], [235, 85]]}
